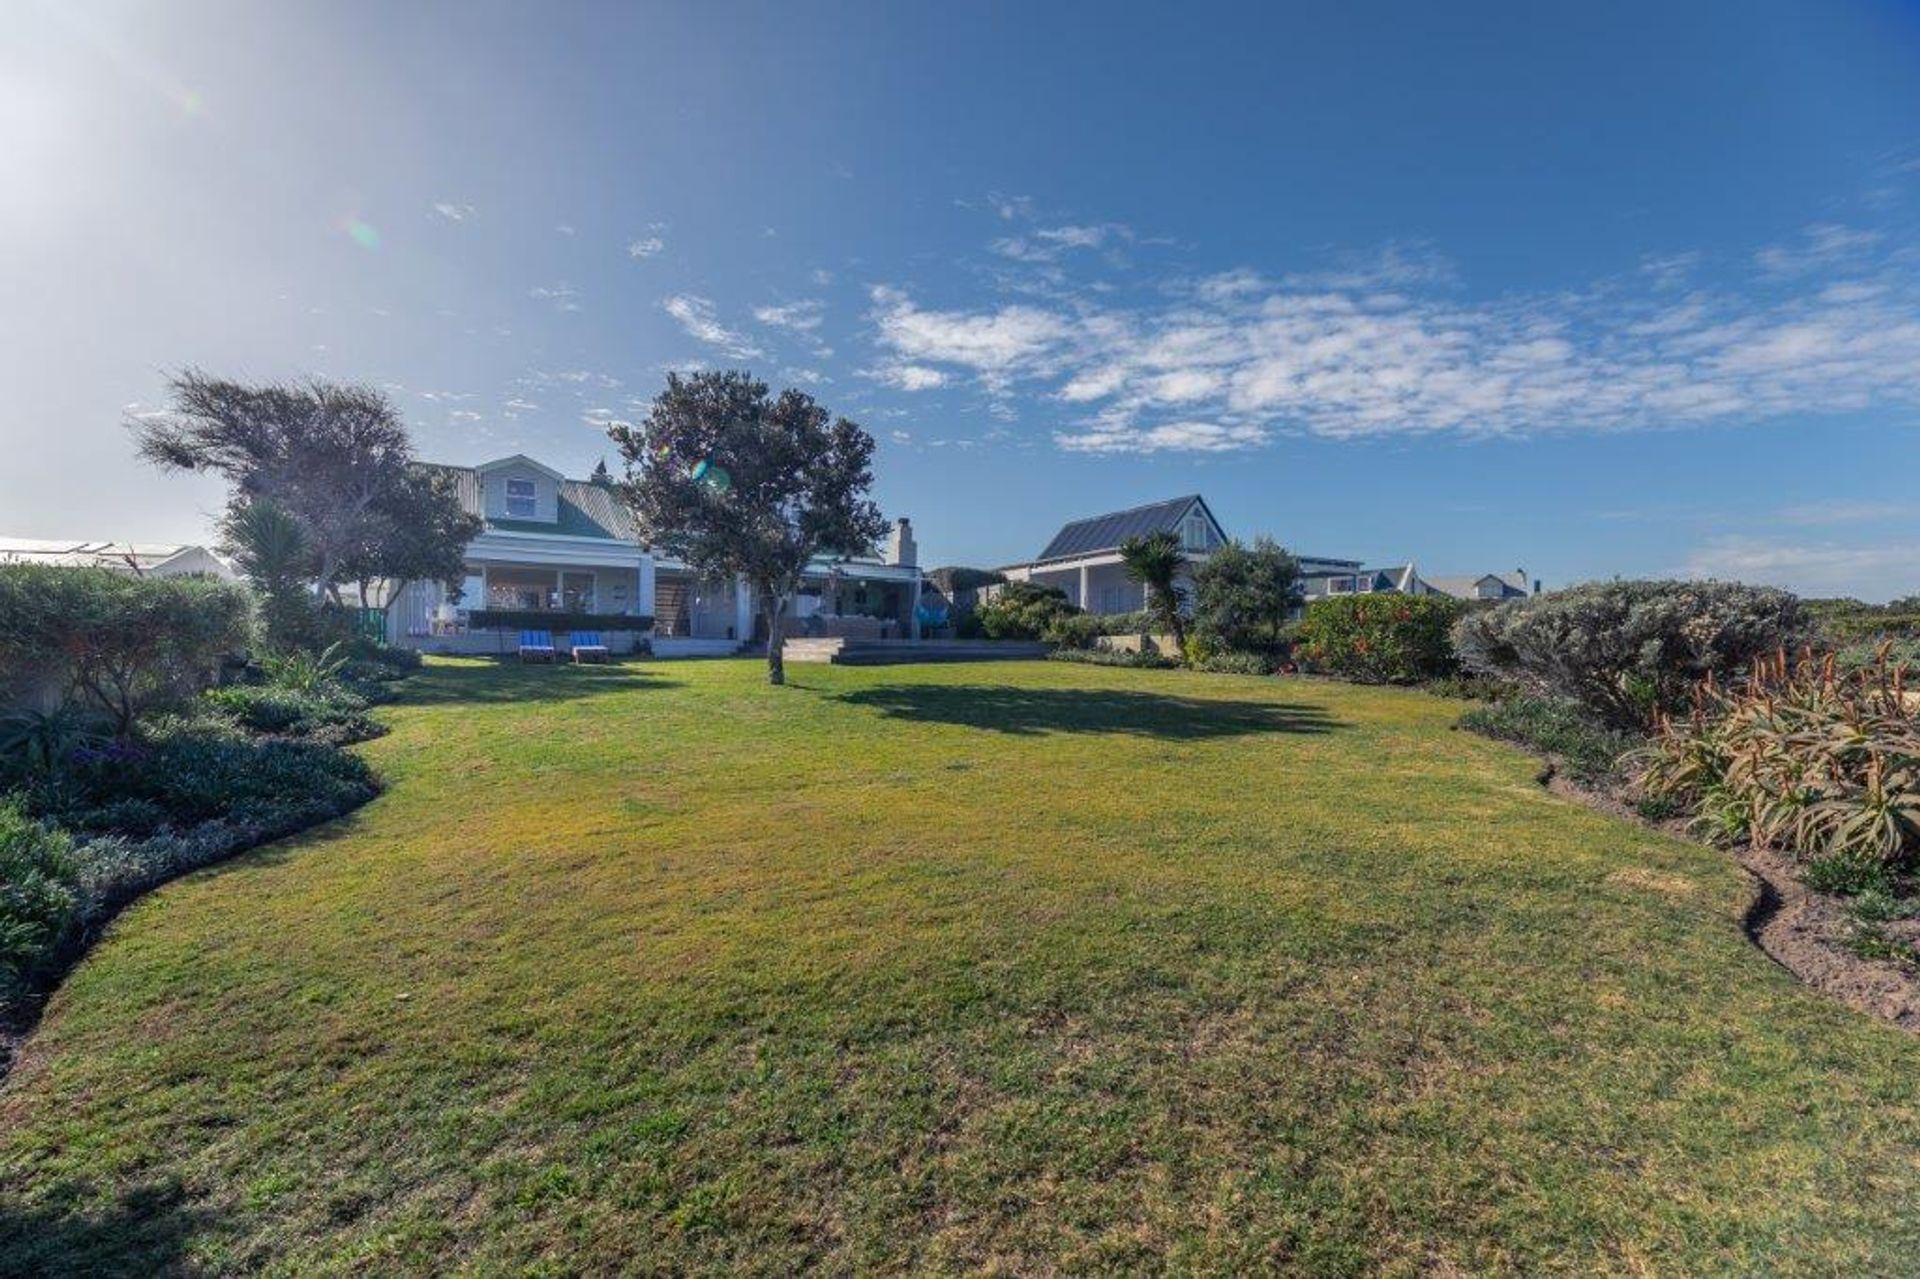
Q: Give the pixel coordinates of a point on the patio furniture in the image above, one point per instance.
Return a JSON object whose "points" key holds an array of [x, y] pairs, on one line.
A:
{"points": [[588, 646], [536, 646]]}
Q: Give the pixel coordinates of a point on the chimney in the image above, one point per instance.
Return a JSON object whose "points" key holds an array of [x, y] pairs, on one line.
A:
{"points": [[900, 547]]}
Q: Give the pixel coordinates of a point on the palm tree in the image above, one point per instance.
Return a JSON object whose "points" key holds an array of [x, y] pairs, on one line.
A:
{"points": [[1155, 561], [273, 550]]}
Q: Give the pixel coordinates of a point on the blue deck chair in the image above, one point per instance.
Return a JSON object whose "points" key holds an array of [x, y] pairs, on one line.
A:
{"points": [[536, 646], [587, 646]]}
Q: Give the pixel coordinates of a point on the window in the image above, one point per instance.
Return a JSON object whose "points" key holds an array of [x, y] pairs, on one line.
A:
{"points": [[576, 592], [521, 504], [516, 588], [1193, 532]]}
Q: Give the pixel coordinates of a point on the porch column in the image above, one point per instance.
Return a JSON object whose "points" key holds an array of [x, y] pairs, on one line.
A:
{"points": [[1084, 605], [913, 614], [643, 595], [742, 610]]}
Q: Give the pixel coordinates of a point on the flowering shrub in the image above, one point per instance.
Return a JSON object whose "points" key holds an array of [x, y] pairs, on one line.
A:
{"points": [[1379, 639]]}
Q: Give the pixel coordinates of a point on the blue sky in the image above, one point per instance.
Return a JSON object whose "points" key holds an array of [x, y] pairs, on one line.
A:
{"points": [[1610, 290]]}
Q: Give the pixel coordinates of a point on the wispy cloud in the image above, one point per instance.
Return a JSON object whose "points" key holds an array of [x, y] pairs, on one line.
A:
{"points": [[697, 316], [1049, 243], [1824, 568], [1383, 344], [563, 296], [646, 246], [1849, 512], [803, 316], [453, 212]]}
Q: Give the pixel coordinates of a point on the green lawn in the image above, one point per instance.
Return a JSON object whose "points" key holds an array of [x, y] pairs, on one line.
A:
{"points": [[1013, 967]]}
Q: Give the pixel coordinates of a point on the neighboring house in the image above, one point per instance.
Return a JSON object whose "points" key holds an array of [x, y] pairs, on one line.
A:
{"points": [[553, 544], [1320, 578], [1083, 559], [1488, 586], [146, 559]]}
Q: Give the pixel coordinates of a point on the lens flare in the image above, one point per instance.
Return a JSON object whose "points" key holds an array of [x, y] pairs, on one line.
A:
{"points": [[363, 234], [713, 475]]}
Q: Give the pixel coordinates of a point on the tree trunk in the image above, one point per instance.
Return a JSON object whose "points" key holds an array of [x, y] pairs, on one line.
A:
{"points": [[776, 608]]}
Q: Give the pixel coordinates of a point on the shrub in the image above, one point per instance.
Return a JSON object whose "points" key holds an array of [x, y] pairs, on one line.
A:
{"points": [[1022, 611], [1799, 756], [1082, 630], [300, 671], [37, 897], [1587, 752], [336, 714], [1380, 639], [130, 645], [1111, 657], [1628, 651], [1242, 596], [1235, 664], [1471, 688]]}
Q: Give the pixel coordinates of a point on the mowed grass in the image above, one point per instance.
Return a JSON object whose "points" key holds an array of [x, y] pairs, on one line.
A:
{"points": [[1016, 967]]}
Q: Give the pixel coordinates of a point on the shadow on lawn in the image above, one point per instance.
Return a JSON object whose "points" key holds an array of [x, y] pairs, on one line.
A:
{"points": [[509, 681], [1006, 709], [147, 1233]]}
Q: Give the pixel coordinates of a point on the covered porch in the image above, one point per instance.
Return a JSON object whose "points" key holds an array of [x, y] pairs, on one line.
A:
{"points": [[428, 617]]}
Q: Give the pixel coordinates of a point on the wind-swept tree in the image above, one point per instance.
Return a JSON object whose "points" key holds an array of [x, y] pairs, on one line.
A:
{"points": [[738, 482], [325, 453], [1155, 561], [323, 485]]}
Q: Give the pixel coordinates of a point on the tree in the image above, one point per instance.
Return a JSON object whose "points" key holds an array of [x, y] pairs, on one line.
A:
{"points": [[739, 483], [417, 531], [1243, 596], [1155, 561], [272, 549], [326, 453]]}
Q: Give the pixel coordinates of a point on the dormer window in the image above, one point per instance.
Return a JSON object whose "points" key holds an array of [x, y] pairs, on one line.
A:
{"points": [[521, 503]]}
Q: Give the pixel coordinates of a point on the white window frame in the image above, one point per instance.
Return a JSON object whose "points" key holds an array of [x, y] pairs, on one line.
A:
{"points": [[531, 497], [1193, 533]]}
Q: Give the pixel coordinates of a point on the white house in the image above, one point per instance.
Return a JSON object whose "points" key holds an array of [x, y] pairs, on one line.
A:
{"points": [[145, 559], [1488, 586], [1083, 559], [565, 546]]}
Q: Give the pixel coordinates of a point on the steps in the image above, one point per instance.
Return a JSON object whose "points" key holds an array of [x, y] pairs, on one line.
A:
{"points": [[668, 646], [868, 652]]}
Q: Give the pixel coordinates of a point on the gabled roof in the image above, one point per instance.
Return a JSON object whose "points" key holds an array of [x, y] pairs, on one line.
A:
{"points": [[1399, 578], [585, 509], [1466, 586], [519, 459], [1099, 533]]}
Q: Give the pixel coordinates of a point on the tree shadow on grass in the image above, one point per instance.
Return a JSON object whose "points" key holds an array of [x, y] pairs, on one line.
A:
{"points": [[148, 1232], [494, 683], [1026, 711]]}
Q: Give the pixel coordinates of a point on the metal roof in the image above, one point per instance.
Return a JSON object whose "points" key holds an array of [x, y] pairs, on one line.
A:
{"points": [[1105, 532], [585, 509]]}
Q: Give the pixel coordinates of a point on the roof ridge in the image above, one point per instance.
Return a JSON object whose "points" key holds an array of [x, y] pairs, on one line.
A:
{"points": [[1129, 510]]}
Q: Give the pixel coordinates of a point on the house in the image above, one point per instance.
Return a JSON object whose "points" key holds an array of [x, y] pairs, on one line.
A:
{"points": [[144, 559], [566, 546], [1488, 586], [1083, 559]]}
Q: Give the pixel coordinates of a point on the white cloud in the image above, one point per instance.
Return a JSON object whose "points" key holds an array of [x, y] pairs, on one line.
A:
{"points": [[1848, 512], [995, 344], [565, 229], [1184, 437], [696, 315], [908, 377], [1383, 344], [1048, 243], [453, 212], [1868, 572], [646, 246], [799, 317], [563, 296]]}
